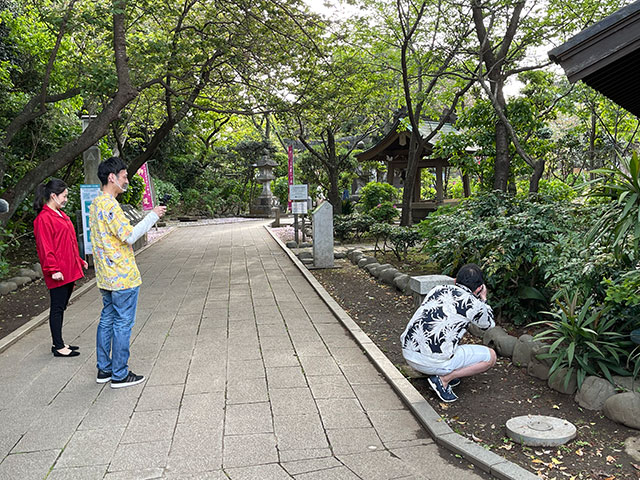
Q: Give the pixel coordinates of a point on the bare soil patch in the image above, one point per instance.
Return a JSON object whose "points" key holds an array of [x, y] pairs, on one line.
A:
{"points": [[487, 401]]}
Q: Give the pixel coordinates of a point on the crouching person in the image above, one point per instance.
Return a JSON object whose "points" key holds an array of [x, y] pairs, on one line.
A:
{"points": [[430, 343]]}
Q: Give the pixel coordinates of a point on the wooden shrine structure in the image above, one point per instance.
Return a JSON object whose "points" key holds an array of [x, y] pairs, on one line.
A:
{"points": [[393, 150]]}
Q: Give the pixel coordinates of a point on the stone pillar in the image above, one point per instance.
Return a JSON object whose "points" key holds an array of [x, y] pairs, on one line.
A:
{"points": [[90, 157], [323, 236]]}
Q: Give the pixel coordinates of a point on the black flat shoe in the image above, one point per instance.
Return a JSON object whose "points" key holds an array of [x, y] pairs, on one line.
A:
{"points": [[72, 353], [70, 347]]}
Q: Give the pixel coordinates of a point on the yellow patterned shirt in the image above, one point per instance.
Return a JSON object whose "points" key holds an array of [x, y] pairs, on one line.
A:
{"points": [[115, 263]]}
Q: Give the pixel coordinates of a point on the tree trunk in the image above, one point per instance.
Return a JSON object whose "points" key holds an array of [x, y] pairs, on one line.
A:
{"points": [[538, 170], [503, 161], [415, 152], [334, 192]]}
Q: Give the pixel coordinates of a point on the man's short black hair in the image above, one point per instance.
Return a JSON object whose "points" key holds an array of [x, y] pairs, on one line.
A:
{"points": [[111, 165], [470, 276]]}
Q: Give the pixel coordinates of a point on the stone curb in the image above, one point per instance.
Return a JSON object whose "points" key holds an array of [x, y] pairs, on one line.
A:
{"points": [[441, 433], [35, 322]]}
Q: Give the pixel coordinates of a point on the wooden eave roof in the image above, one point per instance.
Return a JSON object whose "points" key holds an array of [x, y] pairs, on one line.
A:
{"points": [[393, 136], [606, 56]]}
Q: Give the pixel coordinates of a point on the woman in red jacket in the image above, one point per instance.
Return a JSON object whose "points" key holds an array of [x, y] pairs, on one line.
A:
{"points": [[58, 253]]}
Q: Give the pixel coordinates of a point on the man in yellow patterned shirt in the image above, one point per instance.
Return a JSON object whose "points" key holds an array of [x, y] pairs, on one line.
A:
{"points": [[117, 275]]}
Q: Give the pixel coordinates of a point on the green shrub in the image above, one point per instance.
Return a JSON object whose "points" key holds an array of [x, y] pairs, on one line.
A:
{"points": [[380, 232], [385, 212], [133, 195], [402, 239], [583, 340], [347, 207], [375, 193], [621, 222], [517, 243], [280, 188], [355, 224], [4, 265], [162, 188]]}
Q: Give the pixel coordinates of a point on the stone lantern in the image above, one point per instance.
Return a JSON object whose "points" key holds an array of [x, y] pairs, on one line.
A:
{"points": [[265, 202]]}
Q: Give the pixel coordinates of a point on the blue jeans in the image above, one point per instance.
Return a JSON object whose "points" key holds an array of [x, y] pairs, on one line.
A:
{"points": [[114, 330]]}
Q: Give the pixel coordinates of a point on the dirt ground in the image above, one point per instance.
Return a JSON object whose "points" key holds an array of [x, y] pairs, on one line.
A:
{"points": [[487, 401]]}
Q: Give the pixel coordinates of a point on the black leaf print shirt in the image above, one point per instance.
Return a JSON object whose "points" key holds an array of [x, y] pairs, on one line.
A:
{"points": [[441, 321]]}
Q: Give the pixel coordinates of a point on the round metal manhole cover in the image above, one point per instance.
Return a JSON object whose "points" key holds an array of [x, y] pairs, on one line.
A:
{"points": [[540, 430]]}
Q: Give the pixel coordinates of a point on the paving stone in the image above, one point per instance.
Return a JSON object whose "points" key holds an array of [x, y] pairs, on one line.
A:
{"points": [[330, 386], [247, 390], [52, 430], [90, 447], [313, 465], [297, 431], [319, 366], [354, 440], [142, 474], [304, 454], [247, 450], [259, 472], [275, 342], [34, 465], [195, 448], [209, 475], [78, 473], [420, 459], [395, 425], [349, 356], [248, 418], [378, 397], [245, 369], [292, 401], [342, 413], [280, 358], [136, 456], [376, 465], [162, 397], [365, 374], [336, 473], [285, 377], [150, 426], [311, 349]]}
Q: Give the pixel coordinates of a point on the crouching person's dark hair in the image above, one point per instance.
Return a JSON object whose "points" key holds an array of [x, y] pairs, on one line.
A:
{"points": [[470, 276], [111, 165]]}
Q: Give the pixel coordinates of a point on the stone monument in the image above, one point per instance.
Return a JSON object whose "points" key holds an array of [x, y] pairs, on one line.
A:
{"points": [[90, 157], [263, 205], [323, 236]]}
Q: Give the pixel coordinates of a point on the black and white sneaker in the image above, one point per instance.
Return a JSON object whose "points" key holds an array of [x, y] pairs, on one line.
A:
{"points": [[454, 383], [445, 394], [103, 377], [128, 381]]}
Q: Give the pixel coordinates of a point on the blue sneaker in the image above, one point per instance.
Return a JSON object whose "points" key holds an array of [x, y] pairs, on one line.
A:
{"points": [[454, 383], [445, 394]]}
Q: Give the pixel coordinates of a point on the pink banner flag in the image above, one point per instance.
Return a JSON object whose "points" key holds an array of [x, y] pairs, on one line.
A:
{"points": [[147, 199], [290, 154]]}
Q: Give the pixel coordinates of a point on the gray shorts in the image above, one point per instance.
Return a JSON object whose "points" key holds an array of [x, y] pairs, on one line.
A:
{"points": [[463, 356]]}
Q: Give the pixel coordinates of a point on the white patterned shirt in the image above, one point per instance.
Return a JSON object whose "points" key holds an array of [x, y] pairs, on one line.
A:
{"points": [[441, 321]]}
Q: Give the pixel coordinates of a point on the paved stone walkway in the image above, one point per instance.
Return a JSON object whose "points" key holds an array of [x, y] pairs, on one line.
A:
{"points": [[250, 376]]}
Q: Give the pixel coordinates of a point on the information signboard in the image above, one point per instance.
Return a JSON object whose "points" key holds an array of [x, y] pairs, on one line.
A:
{"points": [[298, 192], [299, 208], [87, 193]]}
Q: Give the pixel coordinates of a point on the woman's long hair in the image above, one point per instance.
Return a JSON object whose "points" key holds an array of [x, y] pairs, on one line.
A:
{"points": [[44, 191]]}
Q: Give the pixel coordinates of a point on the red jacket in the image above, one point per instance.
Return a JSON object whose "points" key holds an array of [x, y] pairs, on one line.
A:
{"points": [[57, 247]]}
